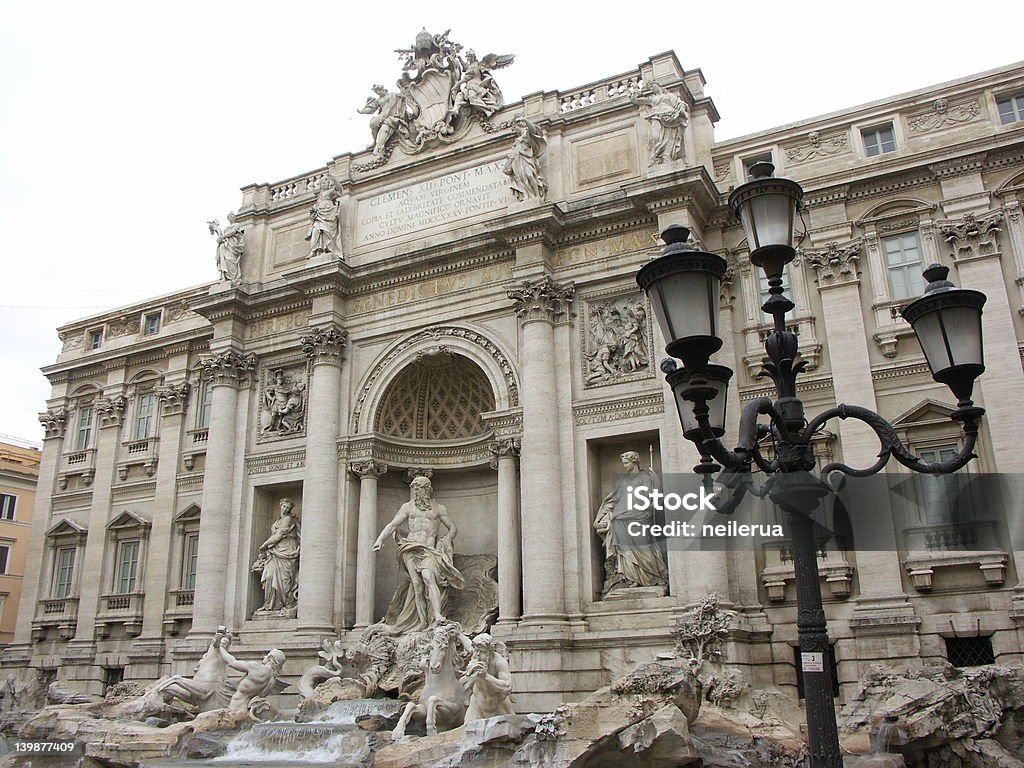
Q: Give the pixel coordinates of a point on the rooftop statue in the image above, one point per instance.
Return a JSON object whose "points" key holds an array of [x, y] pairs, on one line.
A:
{"points": [[439, 93], [324, 233], [522, 164], [669, 117], [230, 248]]}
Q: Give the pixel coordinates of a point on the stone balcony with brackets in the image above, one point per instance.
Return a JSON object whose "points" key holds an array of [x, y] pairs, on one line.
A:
{"points": [[779, 572], [124, 609], [57, 614], [970, 544], [77, 463], [142, 452], [179, 610]]}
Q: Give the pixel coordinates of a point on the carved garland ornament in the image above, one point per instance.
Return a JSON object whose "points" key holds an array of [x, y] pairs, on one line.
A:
{"points": [[943, 114], [438, 333], [816, 146]]}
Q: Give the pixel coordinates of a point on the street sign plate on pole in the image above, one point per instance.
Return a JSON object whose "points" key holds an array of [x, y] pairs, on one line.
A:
{"points": [[812, 662]]}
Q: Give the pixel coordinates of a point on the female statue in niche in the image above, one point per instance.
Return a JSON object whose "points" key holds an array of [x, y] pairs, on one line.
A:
{"points": [[278, 562]]}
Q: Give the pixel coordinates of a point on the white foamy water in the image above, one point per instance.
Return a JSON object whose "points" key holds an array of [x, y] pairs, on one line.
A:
{"points": [[328, 744]]}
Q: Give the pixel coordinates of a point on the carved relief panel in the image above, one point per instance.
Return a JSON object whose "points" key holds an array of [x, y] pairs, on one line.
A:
{"points": [[616, 339], [282, 401]]}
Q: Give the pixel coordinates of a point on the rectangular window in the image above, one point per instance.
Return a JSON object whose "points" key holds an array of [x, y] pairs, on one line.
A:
{"points": [[8, 504], [941, 493], [749, 161], [64, 571], [151, 324], [205, 405], [127, 563], [970, 651], [879, 140], [144, 407], [5, 557], [762, 292], [191, 560], [96, 338], [1011, 108], [904, 262], [83, 429]]}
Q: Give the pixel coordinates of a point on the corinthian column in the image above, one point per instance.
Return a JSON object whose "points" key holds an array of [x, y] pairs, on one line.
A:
{"points": [[510, 571], [227, 372], [317, 560], [366, 564], [538, 303]]}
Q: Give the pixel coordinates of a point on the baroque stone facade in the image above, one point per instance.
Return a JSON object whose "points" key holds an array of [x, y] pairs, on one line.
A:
{"points": [[403, 313]]}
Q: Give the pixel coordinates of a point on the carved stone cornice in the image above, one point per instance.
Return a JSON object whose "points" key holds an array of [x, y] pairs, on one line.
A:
{"points": [[973, 237], [53, 423], [509, 447], [368, 468], [173, 398], [836, 264], [541, 299], [110, 410], [325, 344], [229, 367], [958, 166]]}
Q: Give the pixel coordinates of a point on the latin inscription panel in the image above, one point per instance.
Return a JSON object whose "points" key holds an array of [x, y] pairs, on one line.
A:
{"points": [[431, 204]]}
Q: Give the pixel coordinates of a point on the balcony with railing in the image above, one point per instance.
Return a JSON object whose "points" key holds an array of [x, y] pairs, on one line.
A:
{"points": [[77, 463], [194, 445], [967, 543], [142, 452], [179, 610], [120, 609], [779, 571], [59, 615]]}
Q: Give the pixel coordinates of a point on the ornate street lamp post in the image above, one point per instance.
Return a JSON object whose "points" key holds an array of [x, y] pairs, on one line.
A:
{"points": [[683, 286]]}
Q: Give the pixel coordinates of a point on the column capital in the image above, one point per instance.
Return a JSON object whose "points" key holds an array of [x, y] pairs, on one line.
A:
{"points": [[506, 447], [229, 367], [413, 472], [325, 344], [368, 468], [110, 410], [836, 264], [541, 299], [53, 423], [973, 237], [173, 398]]}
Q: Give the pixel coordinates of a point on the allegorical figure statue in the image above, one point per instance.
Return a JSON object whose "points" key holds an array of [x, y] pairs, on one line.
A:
{"points": [[324, 233], [260, 677], [425, 558], [488, 680], [278, 562], [477, 88], [230, 248], [669, 117], [522, 165], [630, 560], [390, 112]]}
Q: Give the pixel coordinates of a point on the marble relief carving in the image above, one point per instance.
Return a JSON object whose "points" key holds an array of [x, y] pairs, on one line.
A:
{"points": [[616, 341], [944, 114], [817, 146], [283, 407]]}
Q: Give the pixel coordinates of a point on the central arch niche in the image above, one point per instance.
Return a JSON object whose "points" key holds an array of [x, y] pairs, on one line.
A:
{"points": [[430, 416], [439, 396]]}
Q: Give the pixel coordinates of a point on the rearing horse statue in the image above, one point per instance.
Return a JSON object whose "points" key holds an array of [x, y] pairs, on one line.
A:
{"points": [[443, 699], [205, 689]]}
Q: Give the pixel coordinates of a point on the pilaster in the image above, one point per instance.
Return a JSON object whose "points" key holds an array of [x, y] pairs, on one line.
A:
{"points": [[367, 471], [506, 460]]}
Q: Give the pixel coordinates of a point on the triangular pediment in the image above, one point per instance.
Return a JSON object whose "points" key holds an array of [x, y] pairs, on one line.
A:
{"points": [[928, 411], [127, 519], [190, 514], [67, 528]]}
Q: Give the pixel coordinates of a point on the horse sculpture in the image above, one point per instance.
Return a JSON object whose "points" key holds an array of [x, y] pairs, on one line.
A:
{"points": [[443, 698], [206, 689]]}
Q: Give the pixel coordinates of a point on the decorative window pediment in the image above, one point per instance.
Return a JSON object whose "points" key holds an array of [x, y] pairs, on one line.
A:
{"points": [[67, 528], [128, 522]]}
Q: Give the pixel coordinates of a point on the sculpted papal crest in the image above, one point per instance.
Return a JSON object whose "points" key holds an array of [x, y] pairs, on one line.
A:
{"points": [[439, 93]]}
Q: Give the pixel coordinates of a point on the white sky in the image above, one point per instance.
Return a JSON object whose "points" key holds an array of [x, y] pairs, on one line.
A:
{"points": [[124, 127]]}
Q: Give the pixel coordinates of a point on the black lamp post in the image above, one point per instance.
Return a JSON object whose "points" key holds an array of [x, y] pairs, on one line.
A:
{"points": [[683, 286]]}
